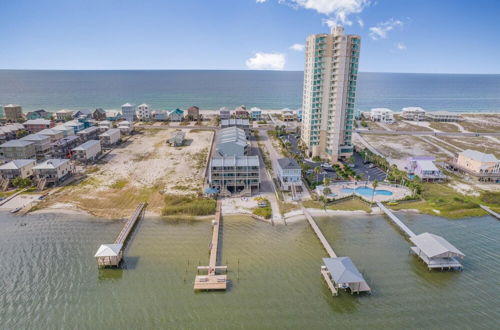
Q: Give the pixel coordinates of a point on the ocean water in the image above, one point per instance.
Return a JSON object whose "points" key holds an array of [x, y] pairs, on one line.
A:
{"points": [[55, 90], [50, 280]]}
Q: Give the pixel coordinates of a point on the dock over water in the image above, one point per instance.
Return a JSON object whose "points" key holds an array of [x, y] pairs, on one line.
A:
{"points": [[490, 211], [213, 281], [338, 272], [432, 249], [112, 254]]}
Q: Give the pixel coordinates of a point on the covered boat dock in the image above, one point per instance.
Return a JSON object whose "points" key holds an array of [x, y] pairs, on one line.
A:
{"points": [[344, 275], [436, 252]]}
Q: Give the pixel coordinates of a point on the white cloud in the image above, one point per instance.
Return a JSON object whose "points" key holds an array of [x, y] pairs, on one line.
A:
{"points": [[260, 1], [266, 61], [381, 29], [360, 22], [401, 46], [297, 47], [337, 10]]}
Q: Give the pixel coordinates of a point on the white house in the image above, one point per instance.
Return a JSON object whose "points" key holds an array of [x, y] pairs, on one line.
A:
{"points": [[52, 171], [128, 112], [18, 168], [382, 115], [176, 115], [413, 113], [289, 173], [443, 116], [125, 127], [87, 151], [110, 137], [143, 112]]}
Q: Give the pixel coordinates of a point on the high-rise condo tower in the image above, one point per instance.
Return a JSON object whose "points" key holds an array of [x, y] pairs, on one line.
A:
{"points": [[330, 75]]}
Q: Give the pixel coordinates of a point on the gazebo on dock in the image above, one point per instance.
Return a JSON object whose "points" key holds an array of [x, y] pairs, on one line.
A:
{"points": [[436, 252], [109, 255], [345, 275]]}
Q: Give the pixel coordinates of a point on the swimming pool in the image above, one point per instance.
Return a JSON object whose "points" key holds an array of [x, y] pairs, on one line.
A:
{"points": [[367, 191]]}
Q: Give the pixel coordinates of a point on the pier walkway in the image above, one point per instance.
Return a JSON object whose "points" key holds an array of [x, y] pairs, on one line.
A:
{"points": [[212, 281], [395, 219], [112, 254], [490, 211]]}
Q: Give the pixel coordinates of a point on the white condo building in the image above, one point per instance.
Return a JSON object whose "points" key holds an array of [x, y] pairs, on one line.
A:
{"points": [[382, 115], [330, 75], [128, 112], [143, 112]]}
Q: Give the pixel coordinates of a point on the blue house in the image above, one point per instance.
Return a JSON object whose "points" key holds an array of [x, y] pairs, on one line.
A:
{"points": [[299, 114], [256, 114], [176, 115]]}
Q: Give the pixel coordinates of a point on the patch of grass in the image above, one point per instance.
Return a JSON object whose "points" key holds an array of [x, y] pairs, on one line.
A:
{"points": [[491, 198], [287, 207], [119, 184], [265, 212], [188, 205], [181, 187], [354, 204], [200, 158], [445, 127]]}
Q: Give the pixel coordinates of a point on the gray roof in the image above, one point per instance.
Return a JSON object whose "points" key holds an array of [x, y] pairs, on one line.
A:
{"points": [[37, 122], [235, 122], [288, 163], [343, 270], [235, 161], [50, 131], [87, 145], [435, 246], [17, 164], [35, 137], [109, 250], [50, 164], [88, 130], [232, 135], [66, 140], [110, 132], [16, 143], [479, 156]]}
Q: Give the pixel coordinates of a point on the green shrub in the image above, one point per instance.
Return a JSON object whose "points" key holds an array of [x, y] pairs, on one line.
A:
{"points": [[264, 212], [188, 205], [21, 183]]}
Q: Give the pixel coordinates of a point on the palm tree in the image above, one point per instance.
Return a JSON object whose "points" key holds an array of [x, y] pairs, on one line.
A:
{"points": [[374, 185], [327, 191], [326, 181], [317, 171]]}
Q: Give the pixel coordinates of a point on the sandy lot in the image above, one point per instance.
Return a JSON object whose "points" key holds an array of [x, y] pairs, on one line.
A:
{"points": [[145, 168]]}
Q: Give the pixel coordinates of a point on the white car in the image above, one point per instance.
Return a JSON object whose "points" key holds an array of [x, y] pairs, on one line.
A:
{"points": [[326, 165]]}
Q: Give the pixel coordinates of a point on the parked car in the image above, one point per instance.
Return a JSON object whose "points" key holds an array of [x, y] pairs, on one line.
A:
{"points": [[326, 165], [352, 165], [371, 165], [262, 204]]}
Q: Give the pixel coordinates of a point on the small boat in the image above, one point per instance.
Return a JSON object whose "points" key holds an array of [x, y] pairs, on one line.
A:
{"points": [[17, 209]]}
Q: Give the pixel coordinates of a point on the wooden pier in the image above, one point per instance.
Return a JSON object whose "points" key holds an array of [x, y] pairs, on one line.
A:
{"points": [[112, 254], [320, 235], [490, 211], [213, 281], [395, 219]]}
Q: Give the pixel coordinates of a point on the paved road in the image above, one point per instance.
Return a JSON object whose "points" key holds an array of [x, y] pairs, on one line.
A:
{"points": [[431, 133]]}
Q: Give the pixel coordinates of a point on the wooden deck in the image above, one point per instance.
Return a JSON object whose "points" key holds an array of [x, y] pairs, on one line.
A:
{"points": [[395, 219], [490, 211], [318, 232], [329, 282], [212, 281]]}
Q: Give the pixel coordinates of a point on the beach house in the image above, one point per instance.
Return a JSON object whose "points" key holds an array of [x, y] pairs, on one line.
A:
{"points": [[176, 115], [62, 148], [231, 141], [52, 172], [18, 168], [83, 114], [64, 115], [38, 114], [17, 149], [224, 113], [382, 115], [125, 127], [299, 114], [9, 132], [413, 113], [424, 168], [128, 112], [244, 124], [66, 130], [241, 112], [110, 137], [113, 115], [289, 174], [87, 152], [484, 167], [177, 139], [90, 133], [53, 134], [42, 144], [193, 113], [256, 114], [37, 125], [443, 116], [234, 175], [76, 125], [99, 114], [143, 112], [13, 112], [288, 115]]}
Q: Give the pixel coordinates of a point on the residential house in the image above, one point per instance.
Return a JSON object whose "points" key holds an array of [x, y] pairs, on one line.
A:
{"points": [[18, 168], [176, 115], [241, 112], [114, 115], [256, 114], [424, 168], [413, 113], [63, 147], [110, 137], [128, 112], [88, 151], [104, 125], [9, 132], [177, 139], [484, 167], [289, 174], [38, 114], [90, 133], [443, 116], [143, 112], [99, 114], [231, 141], [125, 127], [240, 123], [52, 172], [13, 112], [17, 149], [234, 175], [160, 115], [382, 115], [66, 130], [53, 134], [42, 144], [82, 114], [288, 115], [224, 113], [299, 114], [64, 115], [76, 125], [193, 113], [37, 125]]}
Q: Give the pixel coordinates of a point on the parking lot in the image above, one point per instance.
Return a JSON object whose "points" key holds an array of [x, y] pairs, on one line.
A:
{"points": [[365, 170]]}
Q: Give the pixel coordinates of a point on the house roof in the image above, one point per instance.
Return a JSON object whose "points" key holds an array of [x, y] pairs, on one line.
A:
{"points": [[16, 143], [49, 131], [50, 164], [288, 163], [17, 164], [232, 135], [88, 130], [109, 250], [343, 270], [442, 113], [435, 246], [479, 156], [66, 140], [127, 105], [413, 109], [65, 111], [235, 161], [235, 122], [35, 137], [379, 110], [111, 131], [39, 121], [11, 105], [427, 165], [177, 112], [87, 145]]}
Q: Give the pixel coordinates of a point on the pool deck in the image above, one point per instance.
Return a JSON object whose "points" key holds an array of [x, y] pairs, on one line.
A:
{"points": [[338, 191]]}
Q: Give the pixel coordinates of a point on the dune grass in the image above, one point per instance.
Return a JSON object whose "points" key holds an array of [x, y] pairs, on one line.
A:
{"points": [[188, 205]]}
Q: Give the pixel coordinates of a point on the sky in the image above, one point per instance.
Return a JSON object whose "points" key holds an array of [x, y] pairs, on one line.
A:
{"points": [[423, 36]]}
